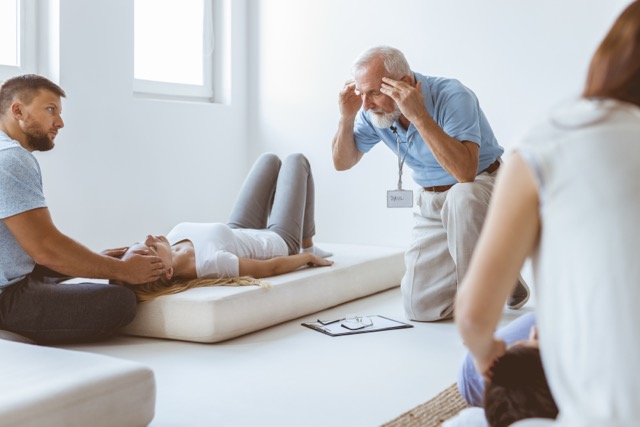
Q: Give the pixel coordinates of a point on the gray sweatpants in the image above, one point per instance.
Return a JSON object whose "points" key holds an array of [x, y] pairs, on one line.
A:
{"points": [[279, 196], [447, 227]]}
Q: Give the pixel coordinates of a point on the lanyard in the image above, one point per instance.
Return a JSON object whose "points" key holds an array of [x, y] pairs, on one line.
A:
{"points": [[401, 158]]}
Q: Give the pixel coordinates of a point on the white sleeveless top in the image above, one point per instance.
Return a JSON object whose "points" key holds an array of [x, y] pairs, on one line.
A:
{"points": [[586, 158], [217, 247]]}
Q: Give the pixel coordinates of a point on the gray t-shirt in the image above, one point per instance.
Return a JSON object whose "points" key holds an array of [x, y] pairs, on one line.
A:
{"points": [[20, 191]]}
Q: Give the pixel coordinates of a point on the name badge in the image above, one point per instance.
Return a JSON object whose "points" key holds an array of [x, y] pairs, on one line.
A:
{"points": [[399, 198]]}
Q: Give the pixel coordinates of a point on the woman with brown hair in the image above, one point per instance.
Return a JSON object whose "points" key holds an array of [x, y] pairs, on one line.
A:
{"points": [[568, 197]]}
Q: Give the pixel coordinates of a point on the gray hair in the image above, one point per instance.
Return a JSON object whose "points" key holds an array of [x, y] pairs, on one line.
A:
{"points": [[394, 61]]}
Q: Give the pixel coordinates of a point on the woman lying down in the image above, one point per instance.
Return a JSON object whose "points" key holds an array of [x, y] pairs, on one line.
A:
{"points": [[270, 232]]}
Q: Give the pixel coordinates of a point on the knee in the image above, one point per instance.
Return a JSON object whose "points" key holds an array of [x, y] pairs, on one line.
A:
{"points": [[297, 161], [460, 193], [122, 304], [427, 302], [426, 314], [298, 158], [269, 158], [467, 196], [429, 284]]}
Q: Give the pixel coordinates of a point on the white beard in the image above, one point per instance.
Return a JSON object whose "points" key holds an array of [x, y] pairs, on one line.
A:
{"points": [[384, 120]]}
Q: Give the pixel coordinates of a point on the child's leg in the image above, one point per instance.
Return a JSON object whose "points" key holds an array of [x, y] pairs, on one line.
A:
{"points": [[253, 204], [292, 216]]}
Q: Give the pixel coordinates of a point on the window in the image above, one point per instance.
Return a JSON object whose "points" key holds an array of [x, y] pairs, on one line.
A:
{"points": [[17, 49], [173, 48]]}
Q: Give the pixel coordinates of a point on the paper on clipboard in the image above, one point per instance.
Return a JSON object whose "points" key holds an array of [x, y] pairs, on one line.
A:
{"points": [[336, 328]]}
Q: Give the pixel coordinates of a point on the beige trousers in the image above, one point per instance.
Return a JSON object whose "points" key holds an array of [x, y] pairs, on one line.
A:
{"points": [[447, 227]]}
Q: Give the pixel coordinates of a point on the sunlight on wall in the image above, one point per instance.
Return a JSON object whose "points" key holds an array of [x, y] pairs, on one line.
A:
{"points": [[520, 58]]}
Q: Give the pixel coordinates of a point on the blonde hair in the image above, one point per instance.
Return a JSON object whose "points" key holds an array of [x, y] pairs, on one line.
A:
{"points": [[164, 286]]}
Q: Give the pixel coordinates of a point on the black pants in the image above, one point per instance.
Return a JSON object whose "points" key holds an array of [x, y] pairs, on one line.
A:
{"points": [[46, 311]]}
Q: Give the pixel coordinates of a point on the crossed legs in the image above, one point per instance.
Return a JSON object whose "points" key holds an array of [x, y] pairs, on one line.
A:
{"points": [[48, 312]]}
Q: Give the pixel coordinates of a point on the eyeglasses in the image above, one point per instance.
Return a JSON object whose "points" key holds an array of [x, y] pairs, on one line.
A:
{"points": [[372, 93], [351, 321]]}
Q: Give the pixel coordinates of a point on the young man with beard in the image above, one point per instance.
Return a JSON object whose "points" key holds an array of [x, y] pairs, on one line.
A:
{"points": [[33, 251], [436, 126]]}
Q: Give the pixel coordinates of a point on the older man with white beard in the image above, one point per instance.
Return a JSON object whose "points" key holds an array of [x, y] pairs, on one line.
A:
{"points": [[436, 126]]}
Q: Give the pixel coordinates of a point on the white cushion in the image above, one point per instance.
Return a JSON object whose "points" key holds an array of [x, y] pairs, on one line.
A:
{"points": [[468, 417], [44, 386], [217, 313]]}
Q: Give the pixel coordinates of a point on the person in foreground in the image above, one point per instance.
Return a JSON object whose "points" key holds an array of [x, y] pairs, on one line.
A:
{"points": [[32, 249], [437, 126], [518, 388], [270, 232], [567, 197], [471, 383]]}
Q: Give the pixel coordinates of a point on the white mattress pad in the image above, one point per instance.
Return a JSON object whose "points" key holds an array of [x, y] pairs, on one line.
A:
{"points": [[45, 386], [217, 313]]}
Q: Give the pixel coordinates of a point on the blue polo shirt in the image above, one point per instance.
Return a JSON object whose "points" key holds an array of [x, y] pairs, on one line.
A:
{"points": [[455, 108], [20, 191]]}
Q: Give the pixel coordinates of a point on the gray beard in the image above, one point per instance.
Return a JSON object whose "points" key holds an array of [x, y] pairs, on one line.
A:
{"points": [[384, 120]]}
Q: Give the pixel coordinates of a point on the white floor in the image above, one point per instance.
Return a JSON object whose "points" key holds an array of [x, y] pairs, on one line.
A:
{"points": [[289, 375]]}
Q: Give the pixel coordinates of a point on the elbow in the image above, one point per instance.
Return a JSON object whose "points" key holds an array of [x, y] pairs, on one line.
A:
{"points": [[340, 163], [340, 167], [467, 176], [464, 179], [343, 161], [269, 269], [465, 172], [468, 330], [45, 258], [471, 316], [47, 253]]}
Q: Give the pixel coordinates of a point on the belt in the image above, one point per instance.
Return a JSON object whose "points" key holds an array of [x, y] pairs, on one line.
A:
{"points": [[441, 188], [492, 167]]}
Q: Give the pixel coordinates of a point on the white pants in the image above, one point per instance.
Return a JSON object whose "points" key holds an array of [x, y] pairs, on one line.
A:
{"points": [[447, 228]]}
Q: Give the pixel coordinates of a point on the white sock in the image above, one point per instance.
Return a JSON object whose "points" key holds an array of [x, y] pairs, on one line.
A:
{"points": [[316, 250]]}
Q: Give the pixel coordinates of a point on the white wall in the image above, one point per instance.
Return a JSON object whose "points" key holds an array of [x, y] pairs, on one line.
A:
{"points": [[520, 57], [125, 166]]}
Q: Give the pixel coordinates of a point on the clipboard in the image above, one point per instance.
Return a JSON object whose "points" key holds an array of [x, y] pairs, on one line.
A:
{"points": [[337, 328]]}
